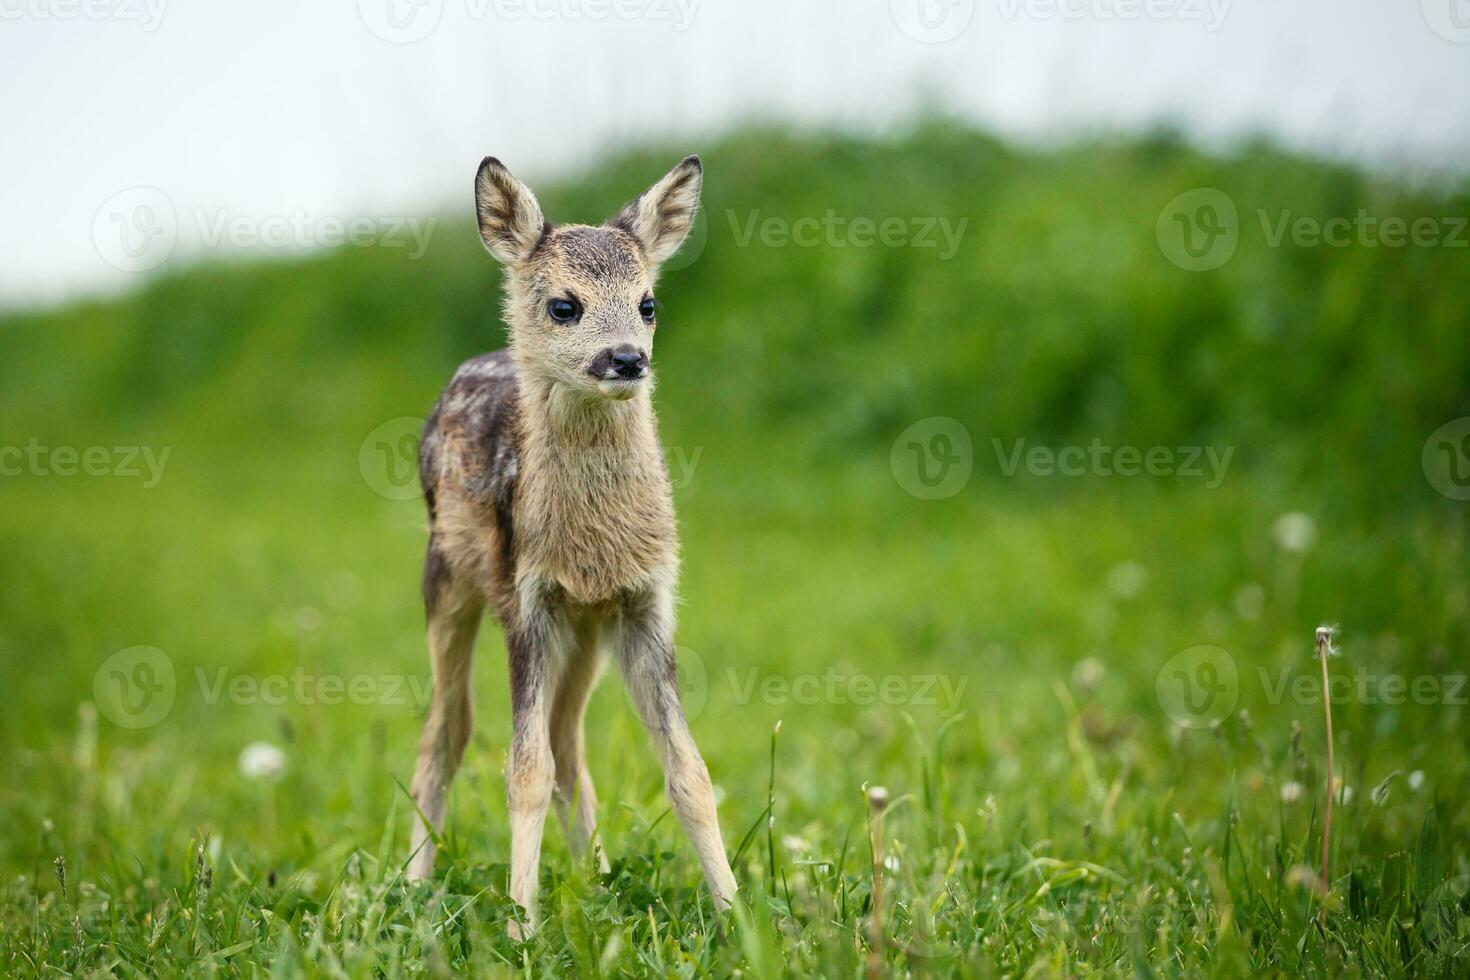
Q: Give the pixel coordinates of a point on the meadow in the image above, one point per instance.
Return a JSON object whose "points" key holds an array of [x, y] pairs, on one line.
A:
{"points": [[1031, 526]]}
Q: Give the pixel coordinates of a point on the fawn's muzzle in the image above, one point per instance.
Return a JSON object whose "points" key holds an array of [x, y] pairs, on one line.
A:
{"points": [[622, 363]]}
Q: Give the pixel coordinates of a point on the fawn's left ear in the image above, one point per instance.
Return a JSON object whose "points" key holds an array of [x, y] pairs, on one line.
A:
{"points": [[661, 216], [511, 223]]}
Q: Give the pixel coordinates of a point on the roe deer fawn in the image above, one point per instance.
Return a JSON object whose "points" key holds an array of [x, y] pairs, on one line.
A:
{"points": [[549, 502]]}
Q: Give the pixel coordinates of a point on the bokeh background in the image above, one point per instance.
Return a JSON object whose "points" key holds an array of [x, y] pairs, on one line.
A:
{"points": [[1037, 380]]}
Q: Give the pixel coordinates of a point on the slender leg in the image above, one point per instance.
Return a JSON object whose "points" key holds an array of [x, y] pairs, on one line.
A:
{"points": [[536, 646], [575, 797], [454, 618], [646, 653]]}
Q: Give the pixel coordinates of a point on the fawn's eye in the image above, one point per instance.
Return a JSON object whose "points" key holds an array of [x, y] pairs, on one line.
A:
{"points": [[646, 308], [563, 310]]}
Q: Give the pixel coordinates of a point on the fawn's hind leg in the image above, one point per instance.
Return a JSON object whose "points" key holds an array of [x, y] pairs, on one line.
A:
{"points": [[539, 645], [574, 796], [453, 620], [645, 649]]}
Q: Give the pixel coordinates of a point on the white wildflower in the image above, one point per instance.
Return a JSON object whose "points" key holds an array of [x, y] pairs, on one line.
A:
{"points": [[1295, 531], [262, 760], [1250, 601], [1127, 579], [1088, 673]]}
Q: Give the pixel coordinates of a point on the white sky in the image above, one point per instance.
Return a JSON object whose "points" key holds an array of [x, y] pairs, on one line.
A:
{"points": [[285, 114]]}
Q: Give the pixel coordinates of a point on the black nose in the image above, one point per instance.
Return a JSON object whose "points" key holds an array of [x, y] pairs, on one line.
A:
{"points": [[629, 362]]}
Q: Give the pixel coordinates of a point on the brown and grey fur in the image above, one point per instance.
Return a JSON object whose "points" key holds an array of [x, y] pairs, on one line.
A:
{"points": [[549, 503]]}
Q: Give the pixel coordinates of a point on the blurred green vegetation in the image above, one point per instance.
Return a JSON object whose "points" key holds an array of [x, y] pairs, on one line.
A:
{"points": [[785, 375]]}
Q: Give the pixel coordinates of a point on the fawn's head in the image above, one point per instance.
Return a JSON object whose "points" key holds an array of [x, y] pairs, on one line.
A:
{"points": [[579, 298]]}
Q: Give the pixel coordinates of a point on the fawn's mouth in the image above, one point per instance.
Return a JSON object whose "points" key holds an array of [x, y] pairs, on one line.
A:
{"points": [[619, 389]]}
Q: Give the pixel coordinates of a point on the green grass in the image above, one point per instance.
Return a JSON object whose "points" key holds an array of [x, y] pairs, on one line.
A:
{"points": [[1049, 817]]}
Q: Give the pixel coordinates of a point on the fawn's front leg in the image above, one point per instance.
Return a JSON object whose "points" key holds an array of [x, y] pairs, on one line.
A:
{"points": [[574, 797], [536, 645], [645, 650]]}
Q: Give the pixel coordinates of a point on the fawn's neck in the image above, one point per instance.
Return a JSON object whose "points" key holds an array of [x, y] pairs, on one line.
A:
{"points": [[560, 421], [594, 510]]}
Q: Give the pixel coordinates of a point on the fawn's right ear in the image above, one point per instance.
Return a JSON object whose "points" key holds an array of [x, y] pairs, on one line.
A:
{"points": [[511, 223]]}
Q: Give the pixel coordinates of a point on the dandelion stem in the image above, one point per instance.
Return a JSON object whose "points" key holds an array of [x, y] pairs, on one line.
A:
{"points": [[1324, 648], [877, 803], [771, 810]]}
